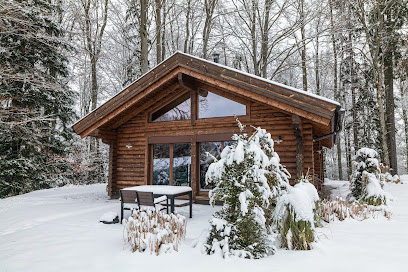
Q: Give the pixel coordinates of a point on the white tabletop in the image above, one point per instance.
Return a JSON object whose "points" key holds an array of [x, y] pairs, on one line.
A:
{"points": [[161, 189]]}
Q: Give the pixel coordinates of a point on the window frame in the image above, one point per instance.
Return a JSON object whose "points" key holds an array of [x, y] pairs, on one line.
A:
{"points": [[165, 103], [194, 140], [194, 120]]}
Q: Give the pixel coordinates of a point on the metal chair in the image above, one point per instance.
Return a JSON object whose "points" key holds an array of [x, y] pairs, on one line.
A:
{"points": [[147, 199], [126, 197]]}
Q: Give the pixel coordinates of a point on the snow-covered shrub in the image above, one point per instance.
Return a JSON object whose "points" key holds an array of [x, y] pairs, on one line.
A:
{"points": [[385, 176], [366, 183], [248, 178], [154, 231], [365, 160], [296, 215], [373, 194]]}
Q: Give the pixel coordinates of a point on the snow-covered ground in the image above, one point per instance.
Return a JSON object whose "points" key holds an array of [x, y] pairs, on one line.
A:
{"points": [[58, 230]]}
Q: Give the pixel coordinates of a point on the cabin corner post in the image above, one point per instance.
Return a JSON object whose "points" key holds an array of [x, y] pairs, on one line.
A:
{"points": [[297, 125], [112, 165]]}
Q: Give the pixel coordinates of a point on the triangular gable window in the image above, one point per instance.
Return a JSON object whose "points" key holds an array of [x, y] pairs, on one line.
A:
{"points": [[178, 109], [211, 105]]}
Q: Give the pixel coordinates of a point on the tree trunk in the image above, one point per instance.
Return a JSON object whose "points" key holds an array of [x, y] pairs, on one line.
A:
{"points": [[348, 153], [317, 64], [144, 63], [303, 48], [209, 6], [265, 39], [380, 98], [188, 11], [335, 87], [158, 11], [253, 38], [404, 98], [353, 83], [389, 95]]}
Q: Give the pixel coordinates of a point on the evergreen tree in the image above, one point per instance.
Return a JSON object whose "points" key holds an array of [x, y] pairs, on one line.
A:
{"points": [[248, 178], [366, 182], [37, 105], [364, 161]]}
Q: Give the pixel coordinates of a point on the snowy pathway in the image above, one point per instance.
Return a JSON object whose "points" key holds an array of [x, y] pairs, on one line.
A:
{"points": [[58, 230]]}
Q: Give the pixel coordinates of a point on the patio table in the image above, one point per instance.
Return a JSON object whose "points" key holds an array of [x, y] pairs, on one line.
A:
{"points": [[168, 190]]}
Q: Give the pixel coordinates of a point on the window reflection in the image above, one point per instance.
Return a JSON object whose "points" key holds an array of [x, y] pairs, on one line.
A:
{"points": [[214, 148], [179, 109], [213, 105], [161, 164], [229, 143], [182, 164]]}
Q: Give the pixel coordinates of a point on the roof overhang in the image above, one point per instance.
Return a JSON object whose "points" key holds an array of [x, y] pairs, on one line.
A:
{"points": [[319, 110]]}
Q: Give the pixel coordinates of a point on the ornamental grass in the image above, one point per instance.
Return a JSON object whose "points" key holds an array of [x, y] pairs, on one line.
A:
{"points": [[154, 231]]}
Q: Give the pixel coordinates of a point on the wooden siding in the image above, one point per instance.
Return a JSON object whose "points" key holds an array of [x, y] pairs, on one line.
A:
{"points": [[130, 153]]}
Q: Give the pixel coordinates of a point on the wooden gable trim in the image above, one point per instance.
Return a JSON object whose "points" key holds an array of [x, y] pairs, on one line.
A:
{"points": [[83, 131], [257, 85], [259, 98]]}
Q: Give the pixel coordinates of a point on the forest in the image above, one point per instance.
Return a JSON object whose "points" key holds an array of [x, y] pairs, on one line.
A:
{"points": [[61, 59]]}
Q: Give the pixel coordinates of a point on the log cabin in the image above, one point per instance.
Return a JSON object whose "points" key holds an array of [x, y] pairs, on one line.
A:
{"points": [[160, 127]]}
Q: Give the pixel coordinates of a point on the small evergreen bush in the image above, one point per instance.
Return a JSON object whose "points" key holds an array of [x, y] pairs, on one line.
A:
{"points": [[365, 184], [364, 160]]}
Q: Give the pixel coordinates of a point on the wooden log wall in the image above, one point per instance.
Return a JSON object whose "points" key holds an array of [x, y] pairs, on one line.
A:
{"points": [[129, 154], [318, 160]]}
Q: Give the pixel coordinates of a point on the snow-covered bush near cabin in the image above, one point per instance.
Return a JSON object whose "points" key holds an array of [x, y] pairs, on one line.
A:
{"points": [[154, 231], [366, 185], [373, 193], [248, 178], [365, 160], [296, 216]]}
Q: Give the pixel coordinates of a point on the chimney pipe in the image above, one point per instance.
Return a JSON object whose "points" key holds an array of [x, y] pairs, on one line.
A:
{"points": [[216, 57]]}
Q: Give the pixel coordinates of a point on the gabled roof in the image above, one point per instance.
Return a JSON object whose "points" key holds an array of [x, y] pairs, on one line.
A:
{"points": [[319, 110]]}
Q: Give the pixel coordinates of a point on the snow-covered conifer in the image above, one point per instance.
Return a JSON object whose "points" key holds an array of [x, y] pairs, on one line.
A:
{"points": [[248, 178], [364, 160], [37, 105], [365, 183]]}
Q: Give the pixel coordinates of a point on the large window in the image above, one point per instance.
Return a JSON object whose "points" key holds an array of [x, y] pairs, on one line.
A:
{"points": [[213, 105], [161, 164], [178, 109], [182, 164], [208, 105], [171, 164], [209, 151]]}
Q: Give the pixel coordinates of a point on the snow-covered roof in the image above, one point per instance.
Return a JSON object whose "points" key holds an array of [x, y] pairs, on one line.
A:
{"points": [[294, 101], [263, 79]]}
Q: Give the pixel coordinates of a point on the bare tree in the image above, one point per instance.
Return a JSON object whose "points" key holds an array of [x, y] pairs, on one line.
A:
{"points": [[94, 29], [144, 50], [209, 8], [337, 95]]}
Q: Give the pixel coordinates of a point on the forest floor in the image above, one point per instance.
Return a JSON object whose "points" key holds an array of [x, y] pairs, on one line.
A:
{"points": [[58, 230]]}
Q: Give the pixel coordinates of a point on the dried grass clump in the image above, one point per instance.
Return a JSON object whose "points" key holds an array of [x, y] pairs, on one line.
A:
{"points": [[340, 209], [155, 231]]}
